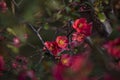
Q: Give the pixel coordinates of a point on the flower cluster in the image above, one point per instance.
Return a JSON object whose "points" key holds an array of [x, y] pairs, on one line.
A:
{"points": [[57, 46], [81, 26], [83, 29], [74, 63]]}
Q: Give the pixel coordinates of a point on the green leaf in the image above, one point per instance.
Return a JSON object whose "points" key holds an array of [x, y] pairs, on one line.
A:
{"points": [[13, 48], [46, 26], [102, 17], [67, 9], [10, 30]]}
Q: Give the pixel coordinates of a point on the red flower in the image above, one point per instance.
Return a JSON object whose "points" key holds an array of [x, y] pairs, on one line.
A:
{"points": [[74, 62], [3, 6], [78, 37], [20, 63], [62, 41], [2, 38], [2, 64], [81, 26], [27, 75], [58, 71], [16, 42], [73, 67], [78, 62], [53, 47], [113, 47], [66, 59]]}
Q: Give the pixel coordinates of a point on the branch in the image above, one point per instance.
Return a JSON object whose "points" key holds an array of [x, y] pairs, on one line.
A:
{"points": [[40, 38]]}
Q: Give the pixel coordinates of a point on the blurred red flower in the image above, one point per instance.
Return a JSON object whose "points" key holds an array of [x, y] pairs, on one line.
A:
{"points": [[2, 65], [81, 26], [75, 67], [113, 47], [58, 71], [20, 63], [16, 42], [62, 41], [3, 6], [27, 75], [2, 38], [66, 59]]}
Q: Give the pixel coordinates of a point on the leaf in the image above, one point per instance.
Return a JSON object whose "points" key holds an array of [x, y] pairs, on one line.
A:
{"points": [[102, 17], [13, 48], [10, 30], [46, 26], [67, 9]]}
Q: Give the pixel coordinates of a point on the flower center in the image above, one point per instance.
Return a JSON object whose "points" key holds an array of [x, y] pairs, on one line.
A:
{"points": [[65, 61], [51, 48], [80, 37], [80, 25], [61, 42]]}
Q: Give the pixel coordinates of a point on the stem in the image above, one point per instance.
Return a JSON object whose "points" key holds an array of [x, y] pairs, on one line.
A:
{"points": [[42, 57], [31, 45], [17, 4], [13, 6]]}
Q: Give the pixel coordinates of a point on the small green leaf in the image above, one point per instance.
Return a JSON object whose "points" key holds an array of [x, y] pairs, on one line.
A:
{"points": [[13, 48], [68, 9], [46, 26], [10, 30], [101, 17]]}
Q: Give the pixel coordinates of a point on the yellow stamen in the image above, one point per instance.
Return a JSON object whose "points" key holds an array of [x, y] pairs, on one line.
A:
{"points": [[51, 48], [80, 25], [65, 61], [61, 42]]}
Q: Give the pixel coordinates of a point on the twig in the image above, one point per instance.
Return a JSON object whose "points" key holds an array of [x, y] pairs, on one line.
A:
{"points": [[31, 45], [39, 29], [70, 24], [13, 7], [17, 4], [40, 38], [42, 57]]}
